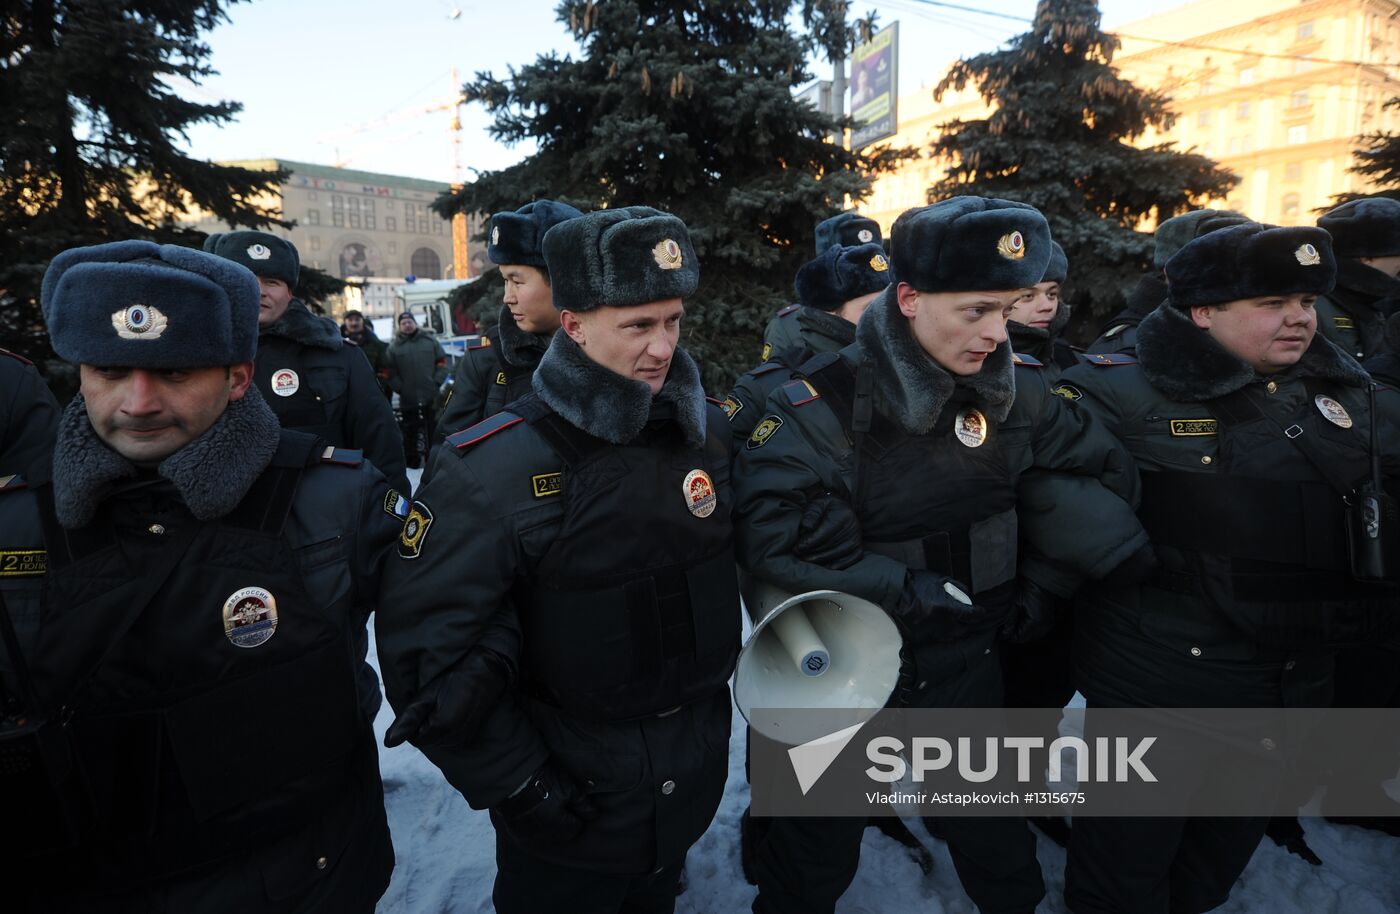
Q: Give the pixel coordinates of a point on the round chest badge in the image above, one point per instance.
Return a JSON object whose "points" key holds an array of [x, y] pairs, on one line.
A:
{"points": [[971, 427], [250, 617], [700, 493], [866, 236], [285, 382], [1333, 411]]}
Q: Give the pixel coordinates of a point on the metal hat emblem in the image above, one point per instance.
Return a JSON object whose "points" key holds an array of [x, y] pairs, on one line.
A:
{"points": [[879, 263], [699, 491], [667, 255], [1012, 246], [139, 322], [865, 236], [250, 617], [1308, 256], [495, 234], [259, 252]]}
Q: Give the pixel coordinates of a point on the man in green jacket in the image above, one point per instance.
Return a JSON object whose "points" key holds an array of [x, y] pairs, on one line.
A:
{"points": [[417, 367]]}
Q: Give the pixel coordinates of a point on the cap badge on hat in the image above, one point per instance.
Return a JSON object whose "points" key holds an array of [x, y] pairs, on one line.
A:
{"points": [[495, 234], [1012, 246], [879, 264], [1308, 256], [259, 252], [667, 255], [865, 236], [139, 322]]}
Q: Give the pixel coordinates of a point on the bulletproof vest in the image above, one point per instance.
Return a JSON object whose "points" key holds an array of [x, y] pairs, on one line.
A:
{"points": [[1262, 537], [226, 715], [634, 608], [932, 501], [510, 383], [298, 389]]}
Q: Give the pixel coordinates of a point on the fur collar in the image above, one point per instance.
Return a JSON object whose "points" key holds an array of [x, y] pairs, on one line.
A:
{"points": [[299, 325], [911, 388], [518, 348], [212, 473], [606, 405], [1183, 362], [1035, 341], [1364, 283], [826, 325]]}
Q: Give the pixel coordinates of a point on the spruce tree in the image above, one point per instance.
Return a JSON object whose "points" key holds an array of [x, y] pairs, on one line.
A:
{"points": [[687, 106], [1060, 138], [89, 152], [1378, 160]]}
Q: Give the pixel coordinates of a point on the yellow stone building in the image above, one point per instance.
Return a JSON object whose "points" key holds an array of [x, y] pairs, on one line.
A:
{"points": [[1276, 92]]}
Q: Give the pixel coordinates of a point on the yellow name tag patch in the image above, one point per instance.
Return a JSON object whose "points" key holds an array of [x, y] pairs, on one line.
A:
{"points": [[1344, 323], [1191, 428], [23, 563], [547, 484]]}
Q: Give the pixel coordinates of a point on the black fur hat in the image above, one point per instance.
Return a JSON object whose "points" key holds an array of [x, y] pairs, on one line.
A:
{"points": [[620, 257], [263, 253], [847, 229], [971, 244], [1369, 227], [518, 237], [840, 274], [1173, 234], [1057, 270], [1250, 261]]}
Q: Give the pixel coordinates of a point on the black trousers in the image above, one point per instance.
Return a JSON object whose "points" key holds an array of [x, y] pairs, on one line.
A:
{"points": [[417, 424], [525, 884], [803, 865]]}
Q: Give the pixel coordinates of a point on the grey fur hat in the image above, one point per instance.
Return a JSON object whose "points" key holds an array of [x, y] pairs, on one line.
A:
{"points": [[971, 244], [847, 229], [518, 237], [1057, 270], [1369, 227], [634, 255], [137, 304], [1173, 234], [1251, 261], [840, 274], [263, 253]]}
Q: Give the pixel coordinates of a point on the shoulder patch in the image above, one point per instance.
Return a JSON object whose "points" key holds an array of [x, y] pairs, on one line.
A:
{"points": [[13, 483], [501, 378], [1068, 391], [547, 484], [482, 430], [1116, 329], [1028, 361], [415, 530], [731, 408], [800, 392], [16, 356], [1105, 359], [481, 342], [764, 431], [788, 310], [767, 351], [343, 456], [395, 505]]}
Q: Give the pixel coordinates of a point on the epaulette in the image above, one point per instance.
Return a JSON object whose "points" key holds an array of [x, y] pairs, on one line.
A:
{"points": [[788, 310], [800, 392], [1115, 330], [482, 342], [713, 402], [766, 368], [16, 356], [482, 430], [1109, 358], [343, 456], [13, 483], [1028, 361]]}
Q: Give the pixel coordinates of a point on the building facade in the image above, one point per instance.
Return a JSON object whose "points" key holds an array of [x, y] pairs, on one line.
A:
{"points": [[1276, 92]]}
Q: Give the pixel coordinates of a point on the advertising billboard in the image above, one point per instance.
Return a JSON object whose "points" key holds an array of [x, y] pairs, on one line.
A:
{"points": [[874, 87]]}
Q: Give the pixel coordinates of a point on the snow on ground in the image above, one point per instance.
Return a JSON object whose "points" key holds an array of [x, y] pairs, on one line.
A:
{"points": [[446, 858]]}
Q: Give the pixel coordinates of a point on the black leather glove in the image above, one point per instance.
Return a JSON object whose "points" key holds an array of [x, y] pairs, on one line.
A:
{"points": [[550, 809], [454, 705], [829, 534], [1033, 614], [932, 604], [1135, 569]]}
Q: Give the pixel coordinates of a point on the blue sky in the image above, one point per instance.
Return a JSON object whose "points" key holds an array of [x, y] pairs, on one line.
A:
{"points": [[347, 82]]}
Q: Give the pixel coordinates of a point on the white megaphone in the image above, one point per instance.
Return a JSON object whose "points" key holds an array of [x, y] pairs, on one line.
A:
{"points": [[822, 649]]}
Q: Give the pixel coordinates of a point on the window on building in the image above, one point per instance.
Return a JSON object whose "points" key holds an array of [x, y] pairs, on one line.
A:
{"points": [[1302, 66], [1293, 171], [437, 226], [1305, 30], [337, 218], [337, 201], [1299, 98], [425, 264], [1297, 134], [369, 203], [391, 225], [1243, 111], [354, 204], [1203, 118], [313, 217], [1247, 144], [369, 221], [1247, 76], [354, 220], [423, 226], [1206, 87], [1290, 206]]}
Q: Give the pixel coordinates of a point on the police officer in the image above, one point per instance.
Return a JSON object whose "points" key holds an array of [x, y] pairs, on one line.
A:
{"points": [[847, 229], [189, 581], [497, 369], [889, 470], [1232, 411], [1038, 318], [28, 413], [1366, 240], [1120, 335], [306, 373], [596, 513], [837, 286]]}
